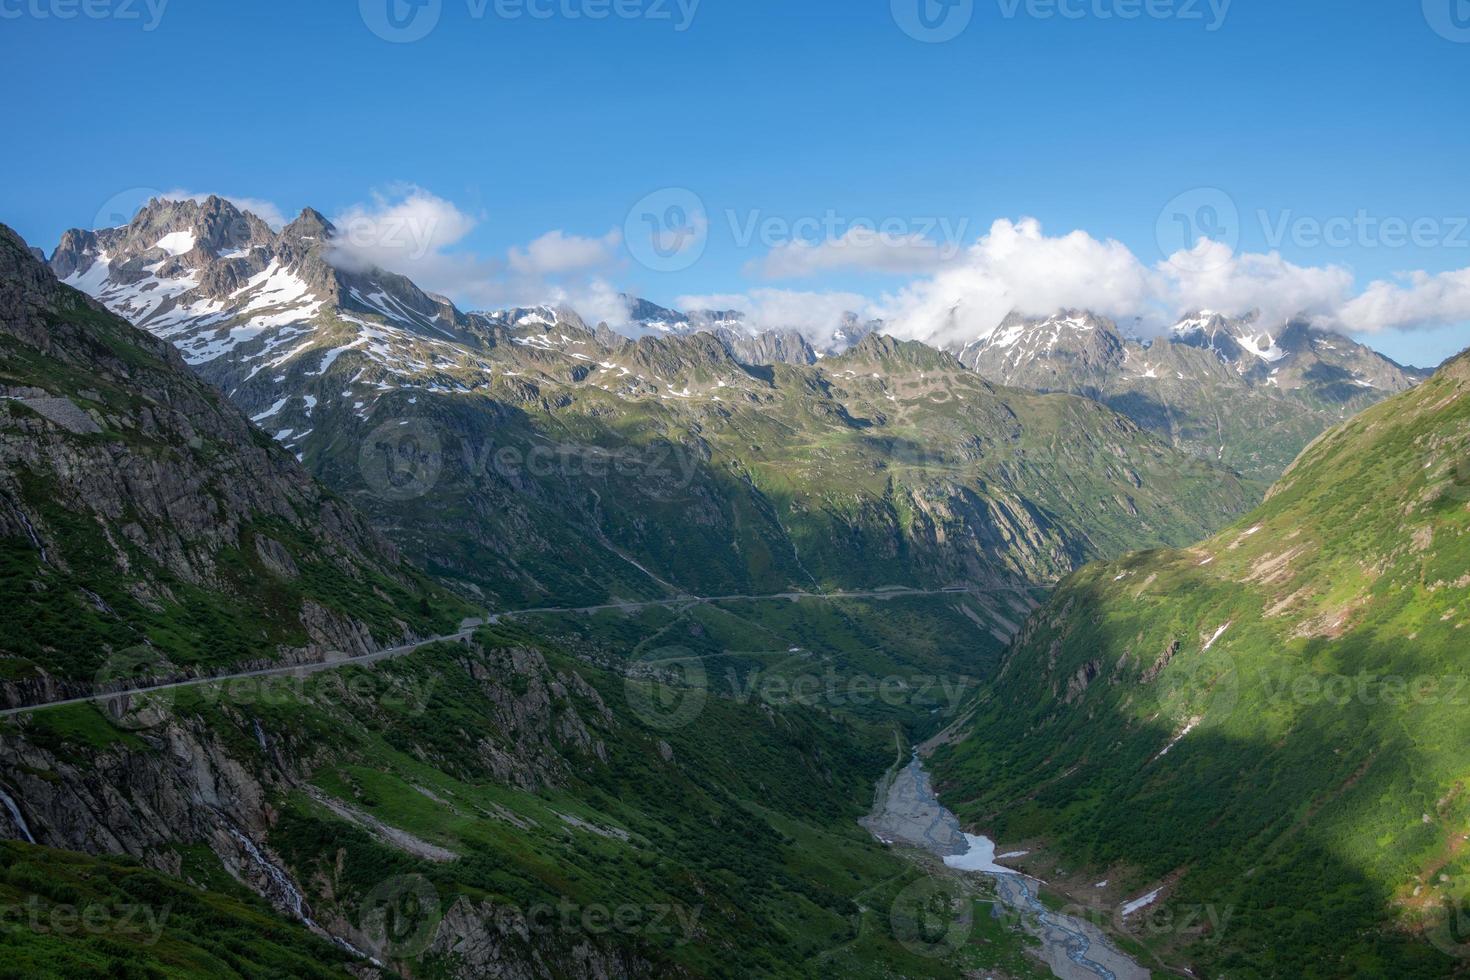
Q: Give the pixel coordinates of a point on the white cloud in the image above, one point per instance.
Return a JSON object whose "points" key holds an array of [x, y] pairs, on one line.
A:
{"points": [[405, 231], [1211, 276], [265, 210], [1014, 266], [815, 314], [557, 253], [413, 232], [859, 248], [596, 301], [1017, 267], [1421, 300]]}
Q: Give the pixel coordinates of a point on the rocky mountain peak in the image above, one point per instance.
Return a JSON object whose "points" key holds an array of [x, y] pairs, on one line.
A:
{"points": [[899, 355], [310, 225], [1068, 340]]}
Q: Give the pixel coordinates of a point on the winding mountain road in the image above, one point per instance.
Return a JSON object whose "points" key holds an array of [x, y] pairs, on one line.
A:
{"points": [[467, 630]]}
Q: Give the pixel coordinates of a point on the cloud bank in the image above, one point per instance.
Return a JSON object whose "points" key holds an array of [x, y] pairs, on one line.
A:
{"points": [[1016, 266], [413, 232], [957, 293]]}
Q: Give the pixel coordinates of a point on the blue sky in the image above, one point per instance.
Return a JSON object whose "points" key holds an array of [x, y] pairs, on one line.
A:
{"points": [[794, 119]]}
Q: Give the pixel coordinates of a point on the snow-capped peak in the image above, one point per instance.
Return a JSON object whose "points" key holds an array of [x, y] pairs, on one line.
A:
{"points": [[1219, 332]]}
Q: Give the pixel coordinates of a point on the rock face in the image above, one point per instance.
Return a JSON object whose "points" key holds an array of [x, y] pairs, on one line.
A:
{"points": [[768, 347], [483, 940], [748, 341], [1219, 387], [179, 780], [139, 510]]}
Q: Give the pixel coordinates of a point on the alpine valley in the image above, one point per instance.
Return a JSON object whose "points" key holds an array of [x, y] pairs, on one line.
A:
{"points": [[351, 633]]}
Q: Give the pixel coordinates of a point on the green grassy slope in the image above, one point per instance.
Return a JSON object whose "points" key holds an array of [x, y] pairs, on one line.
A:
{"points": [[542, 486], [726, 837], [140, 511], [69, 915], [1306, 671]]}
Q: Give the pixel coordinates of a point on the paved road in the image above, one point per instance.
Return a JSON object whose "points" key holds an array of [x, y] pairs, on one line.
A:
{"points": [[467, 629], [697, 600], [301, 670]]}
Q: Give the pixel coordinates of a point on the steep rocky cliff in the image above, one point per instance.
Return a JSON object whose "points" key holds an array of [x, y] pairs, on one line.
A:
{"points": [[148, 529]]}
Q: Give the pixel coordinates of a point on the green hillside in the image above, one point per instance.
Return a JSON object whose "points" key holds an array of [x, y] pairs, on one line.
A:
{"points": [[68, 915], [147, 529], [1274, 722], [507, 802]]}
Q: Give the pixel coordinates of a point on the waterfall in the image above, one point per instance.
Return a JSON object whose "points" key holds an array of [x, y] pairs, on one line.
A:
{"points": [[35, 538], [294, 899], [15, 814]]}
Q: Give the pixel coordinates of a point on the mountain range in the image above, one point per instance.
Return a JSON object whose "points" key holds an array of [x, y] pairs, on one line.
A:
{"points": [[424, 811], [525, 545], [663, 464], [1218, 386]]}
